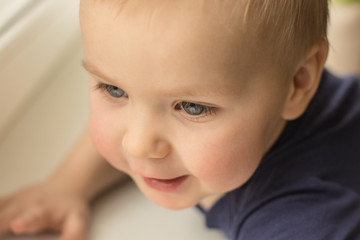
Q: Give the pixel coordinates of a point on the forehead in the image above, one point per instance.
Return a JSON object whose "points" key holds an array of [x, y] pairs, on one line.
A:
{"points": [[167, 39], [214, 10]]}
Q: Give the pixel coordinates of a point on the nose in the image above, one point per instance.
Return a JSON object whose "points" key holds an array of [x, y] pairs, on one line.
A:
{"points": [[144, 139]]}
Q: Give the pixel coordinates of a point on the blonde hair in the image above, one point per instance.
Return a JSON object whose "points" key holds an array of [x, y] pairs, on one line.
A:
{"points": [[287, 28], [281, 30]]}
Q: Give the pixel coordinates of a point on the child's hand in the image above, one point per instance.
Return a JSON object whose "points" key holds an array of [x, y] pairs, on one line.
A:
{"points": [[45, 207]]}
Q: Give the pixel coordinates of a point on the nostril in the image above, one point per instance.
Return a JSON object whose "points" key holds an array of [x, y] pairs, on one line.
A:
{"points": [[149, 147], [162, 149], [131, 147]]}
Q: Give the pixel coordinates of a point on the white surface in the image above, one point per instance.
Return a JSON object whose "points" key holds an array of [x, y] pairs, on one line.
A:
{"points": [[9, 11], [39, 139], [127, 214], [31, 50]]}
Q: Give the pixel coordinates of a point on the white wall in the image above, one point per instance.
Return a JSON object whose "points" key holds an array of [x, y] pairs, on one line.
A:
{"points": [[32, 50], [43, 91]]}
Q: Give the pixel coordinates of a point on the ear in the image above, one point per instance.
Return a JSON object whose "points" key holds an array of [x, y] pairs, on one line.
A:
{"points": [[305, 81]]}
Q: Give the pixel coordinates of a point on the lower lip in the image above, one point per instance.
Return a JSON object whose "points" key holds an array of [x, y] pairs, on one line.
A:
{"points": [[165, 185]]}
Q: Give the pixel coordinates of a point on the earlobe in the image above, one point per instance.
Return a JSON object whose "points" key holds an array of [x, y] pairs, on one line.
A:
{"points": [[305, 81]]}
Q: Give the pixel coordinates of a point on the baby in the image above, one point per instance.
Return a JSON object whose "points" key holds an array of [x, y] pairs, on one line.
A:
{"points": [[220, 104]]}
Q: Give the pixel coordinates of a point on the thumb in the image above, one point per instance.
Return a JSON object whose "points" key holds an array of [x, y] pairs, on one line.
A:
{"points": [[75, 227]]}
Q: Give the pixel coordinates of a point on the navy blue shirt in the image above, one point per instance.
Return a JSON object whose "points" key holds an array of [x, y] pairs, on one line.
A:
{"points": [[308, 186]]}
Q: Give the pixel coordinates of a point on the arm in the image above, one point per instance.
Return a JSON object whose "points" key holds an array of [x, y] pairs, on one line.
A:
{"points": [[61, 203], [92, 173], [310, 209]]}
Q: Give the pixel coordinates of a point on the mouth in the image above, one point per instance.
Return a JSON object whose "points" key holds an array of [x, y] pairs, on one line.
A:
{"points": [[165, 185]]}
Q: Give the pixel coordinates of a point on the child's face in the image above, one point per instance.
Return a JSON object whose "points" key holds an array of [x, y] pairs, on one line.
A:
{"points": [[175, 102]]}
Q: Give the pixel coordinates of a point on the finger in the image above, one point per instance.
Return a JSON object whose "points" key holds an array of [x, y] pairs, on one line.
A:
{"points": [[32, 221], [4, 228], [7, 214], [75, 227], [4, 222], [3, 202]]}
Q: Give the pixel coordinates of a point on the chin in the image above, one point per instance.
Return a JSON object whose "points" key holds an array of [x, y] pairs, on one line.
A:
{"points": [[171, 201], [179, 199], [174, 205]]}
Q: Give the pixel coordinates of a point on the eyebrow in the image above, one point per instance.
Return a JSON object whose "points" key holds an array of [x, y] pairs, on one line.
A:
{"points": [[219, 91], [90, 68]]}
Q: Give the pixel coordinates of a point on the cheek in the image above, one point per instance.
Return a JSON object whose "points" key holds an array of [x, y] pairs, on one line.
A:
{"points": [[99, 135], [105, 134], [227, 156], [225, 160]]}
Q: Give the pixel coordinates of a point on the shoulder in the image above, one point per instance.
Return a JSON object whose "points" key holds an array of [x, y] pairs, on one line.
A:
{"points": [[308, 185], [335, 92], [333, 111], [311, 209], [336, 97], [324, 141]]}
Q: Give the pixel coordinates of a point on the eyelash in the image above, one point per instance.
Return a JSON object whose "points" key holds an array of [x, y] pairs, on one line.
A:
{"points": [[207, 110], [105, 88]]}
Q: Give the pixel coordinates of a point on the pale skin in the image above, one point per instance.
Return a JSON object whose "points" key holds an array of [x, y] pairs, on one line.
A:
{"points": [[59, 203], [165, 106]]}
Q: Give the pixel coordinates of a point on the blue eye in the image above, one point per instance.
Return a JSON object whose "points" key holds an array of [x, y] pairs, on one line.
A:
{"points": [[193, 108], [115, 91]]}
